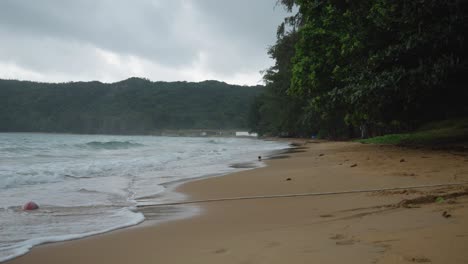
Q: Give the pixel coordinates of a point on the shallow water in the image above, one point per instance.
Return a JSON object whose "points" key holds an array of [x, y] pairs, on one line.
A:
{"points": [[89, 184]]}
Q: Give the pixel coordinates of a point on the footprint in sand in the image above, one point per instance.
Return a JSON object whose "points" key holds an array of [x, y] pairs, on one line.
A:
{"points": [[220, 251], [345, 242], [326, 215], [337, 237], [273, 244], [418, 259], [341, 241], [406, 174]]}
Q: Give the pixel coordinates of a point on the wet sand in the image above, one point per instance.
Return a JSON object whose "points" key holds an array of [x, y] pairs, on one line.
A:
{"points": [[428, 225]]}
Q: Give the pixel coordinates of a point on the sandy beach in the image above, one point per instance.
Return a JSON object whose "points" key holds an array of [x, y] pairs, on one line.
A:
{"points": [[425, 225]]}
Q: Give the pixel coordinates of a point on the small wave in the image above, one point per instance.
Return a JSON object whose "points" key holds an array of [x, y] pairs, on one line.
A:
{"points": [[76, 177], [112, 145], [46, 155], [18, 149], [84, 190], [13, 249], [12, 180]]}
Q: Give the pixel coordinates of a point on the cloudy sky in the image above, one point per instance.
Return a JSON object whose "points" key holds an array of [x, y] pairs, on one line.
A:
{"points": [[111, 40]]}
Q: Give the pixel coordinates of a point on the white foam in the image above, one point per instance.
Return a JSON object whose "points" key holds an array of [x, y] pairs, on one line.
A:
{"points": [[23, 247], [83, 184]]}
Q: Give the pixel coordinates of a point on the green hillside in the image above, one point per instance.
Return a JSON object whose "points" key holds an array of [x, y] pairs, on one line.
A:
{"points": [[132, 106]]}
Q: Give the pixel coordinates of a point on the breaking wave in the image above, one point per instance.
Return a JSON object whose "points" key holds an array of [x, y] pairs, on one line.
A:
{"points": [[112, 145]]}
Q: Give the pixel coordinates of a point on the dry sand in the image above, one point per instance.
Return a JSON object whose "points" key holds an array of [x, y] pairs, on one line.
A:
{"points": [[372, 227]]}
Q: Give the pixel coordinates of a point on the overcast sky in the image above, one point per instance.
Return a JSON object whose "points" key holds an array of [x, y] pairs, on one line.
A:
{"points": [[111, 40]]}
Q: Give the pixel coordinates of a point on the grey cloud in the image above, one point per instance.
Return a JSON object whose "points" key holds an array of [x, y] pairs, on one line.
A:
{"points": [[141, 29], [226, 37]]}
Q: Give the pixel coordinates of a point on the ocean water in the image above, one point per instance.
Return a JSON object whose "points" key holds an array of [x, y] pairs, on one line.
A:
{"points": [[89, 184]]}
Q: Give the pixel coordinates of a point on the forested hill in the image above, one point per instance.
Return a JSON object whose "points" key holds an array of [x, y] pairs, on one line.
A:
{"points": [[365, 68], [131, 106]]}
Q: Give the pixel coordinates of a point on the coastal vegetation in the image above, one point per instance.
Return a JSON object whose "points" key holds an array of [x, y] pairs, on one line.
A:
{"points": [[448, 133], [132, 106], [346, 69]]}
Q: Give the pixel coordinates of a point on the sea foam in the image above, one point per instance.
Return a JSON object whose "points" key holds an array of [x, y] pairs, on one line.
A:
{"points": [[90, 184]]}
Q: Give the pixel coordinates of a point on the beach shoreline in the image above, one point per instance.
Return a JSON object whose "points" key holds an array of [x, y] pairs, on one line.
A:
{"points": [[356, 228], [89, 185], [174, 194]]}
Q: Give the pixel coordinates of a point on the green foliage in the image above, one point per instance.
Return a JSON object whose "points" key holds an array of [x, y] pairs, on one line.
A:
{"points": [[274, 112], [436, 133], [130, 106], [379, 66]]}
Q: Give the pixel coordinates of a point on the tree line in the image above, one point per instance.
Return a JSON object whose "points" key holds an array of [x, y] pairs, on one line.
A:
{"points": [[132, 106], [364, 68]]}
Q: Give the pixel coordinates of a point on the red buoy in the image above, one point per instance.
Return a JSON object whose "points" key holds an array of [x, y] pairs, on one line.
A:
{"points": [[30, 206]]}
